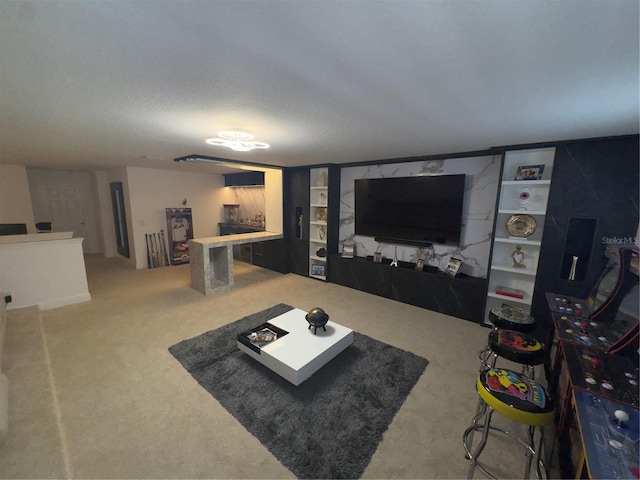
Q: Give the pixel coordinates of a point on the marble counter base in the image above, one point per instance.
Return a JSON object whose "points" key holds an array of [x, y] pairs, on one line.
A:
{"points": [[211, 260]]}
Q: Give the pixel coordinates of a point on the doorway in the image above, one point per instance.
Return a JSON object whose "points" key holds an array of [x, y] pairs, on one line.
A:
{"points": [[64, 198], [119, 218]]}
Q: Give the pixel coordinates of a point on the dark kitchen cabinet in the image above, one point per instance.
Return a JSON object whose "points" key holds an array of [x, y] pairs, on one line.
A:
{"points": [[271, 254]]}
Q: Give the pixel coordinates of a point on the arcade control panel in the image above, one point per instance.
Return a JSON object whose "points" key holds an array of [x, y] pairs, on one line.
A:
{"points": [[571, 328], [602, 374], [610, 436], [567, 304]]}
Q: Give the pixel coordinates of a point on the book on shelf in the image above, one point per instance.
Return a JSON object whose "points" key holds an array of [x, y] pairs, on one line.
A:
{"points": [[510, 292]]}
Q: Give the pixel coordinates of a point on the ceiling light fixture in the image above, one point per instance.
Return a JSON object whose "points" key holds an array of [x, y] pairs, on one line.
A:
{"points": [[238, 141]]}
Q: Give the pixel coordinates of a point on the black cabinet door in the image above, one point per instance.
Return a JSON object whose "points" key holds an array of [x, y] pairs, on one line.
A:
{"points": [[270, 254], [360, 274], [405, 286]]}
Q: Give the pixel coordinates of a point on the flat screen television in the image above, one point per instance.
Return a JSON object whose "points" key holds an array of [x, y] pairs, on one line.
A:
{"points": [[418, 210]]}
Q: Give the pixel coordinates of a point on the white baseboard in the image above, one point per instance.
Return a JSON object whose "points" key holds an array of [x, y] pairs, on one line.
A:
{"points": [[4, 407], [62, 302]]}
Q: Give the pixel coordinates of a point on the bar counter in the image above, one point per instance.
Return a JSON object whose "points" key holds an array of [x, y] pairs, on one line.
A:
{"points": [[211, 260]]}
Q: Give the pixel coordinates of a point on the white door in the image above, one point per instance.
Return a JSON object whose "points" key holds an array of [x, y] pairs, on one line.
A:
{"points": [[64, 199]]}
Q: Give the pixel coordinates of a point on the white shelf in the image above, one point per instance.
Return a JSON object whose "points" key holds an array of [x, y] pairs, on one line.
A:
{"points": [[518, 240], [318, 198], [527, 183], [512, 201], [510, 269], [523, 212]]}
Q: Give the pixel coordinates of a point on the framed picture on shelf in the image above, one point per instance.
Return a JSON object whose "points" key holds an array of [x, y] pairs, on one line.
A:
{"points": [[377, 257], [420, 264], [453, 267], [529, 172], [317, 269], [348, 250]]}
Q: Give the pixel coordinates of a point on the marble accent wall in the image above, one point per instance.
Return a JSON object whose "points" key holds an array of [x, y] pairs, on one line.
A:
{"points": [[251, 201], [481, 191]]}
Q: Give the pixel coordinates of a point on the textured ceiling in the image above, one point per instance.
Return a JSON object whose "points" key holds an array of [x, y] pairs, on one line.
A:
{"points": [[98, 84]]}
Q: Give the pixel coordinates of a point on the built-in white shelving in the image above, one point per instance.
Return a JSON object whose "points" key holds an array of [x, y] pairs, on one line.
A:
{"points": [[318, 227], [519, 197]]}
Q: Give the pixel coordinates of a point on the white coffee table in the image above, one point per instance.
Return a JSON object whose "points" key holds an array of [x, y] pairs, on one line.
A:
{"points": [[299, 354]]}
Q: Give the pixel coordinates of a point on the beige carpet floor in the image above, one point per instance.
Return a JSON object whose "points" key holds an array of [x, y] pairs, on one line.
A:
{"points": [[94, 392]]}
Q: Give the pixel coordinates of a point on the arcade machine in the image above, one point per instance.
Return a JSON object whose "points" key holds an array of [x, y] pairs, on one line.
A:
{"points": [[595, 372], [607, 319]]}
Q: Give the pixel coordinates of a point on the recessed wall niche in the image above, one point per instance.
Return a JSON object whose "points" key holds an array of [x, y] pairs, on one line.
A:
{"points": [[578, 244]]}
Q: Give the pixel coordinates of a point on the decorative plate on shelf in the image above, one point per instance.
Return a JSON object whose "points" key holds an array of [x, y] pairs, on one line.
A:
{"points": [[321, 214], [521, 225]]}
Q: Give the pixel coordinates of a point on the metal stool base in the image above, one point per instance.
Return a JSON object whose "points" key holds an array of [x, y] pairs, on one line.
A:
{"points": [[531, 452]]}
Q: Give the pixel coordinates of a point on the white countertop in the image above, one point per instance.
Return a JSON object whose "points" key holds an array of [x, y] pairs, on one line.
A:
{"points": [[236, 239], [34, 237]]}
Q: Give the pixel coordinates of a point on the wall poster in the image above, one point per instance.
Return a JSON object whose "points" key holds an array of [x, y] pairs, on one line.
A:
{"points": [[180, 229]]}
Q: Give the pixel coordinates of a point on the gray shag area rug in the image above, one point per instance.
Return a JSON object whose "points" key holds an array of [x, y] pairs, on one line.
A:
{"points": [[327, 427]]}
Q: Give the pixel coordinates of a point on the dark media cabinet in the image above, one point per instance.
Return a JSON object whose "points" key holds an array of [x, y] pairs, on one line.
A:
{"points": [[461, 297]]}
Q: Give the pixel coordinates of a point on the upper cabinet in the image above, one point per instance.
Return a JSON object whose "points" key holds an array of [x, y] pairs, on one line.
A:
{"points": [[318, 225], [244, 179], [524, 192]]}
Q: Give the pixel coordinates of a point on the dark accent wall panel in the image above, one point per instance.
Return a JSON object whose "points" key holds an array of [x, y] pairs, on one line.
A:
{"points": [[594, 179], [296, 201]]}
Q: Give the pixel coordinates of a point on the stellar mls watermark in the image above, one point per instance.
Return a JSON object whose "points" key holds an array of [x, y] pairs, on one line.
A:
{"points": [[619, 240]]}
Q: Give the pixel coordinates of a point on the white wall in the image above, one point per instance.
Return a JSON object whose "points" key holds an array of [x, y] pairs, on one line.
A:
{"points": [[47, 273], [273, 200], [15, 200], [149, 192]]}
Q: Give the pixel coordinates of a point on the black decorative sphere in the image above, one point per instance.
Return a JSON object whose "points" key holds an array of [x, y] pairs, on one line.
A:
{"points": [[317, 318]]}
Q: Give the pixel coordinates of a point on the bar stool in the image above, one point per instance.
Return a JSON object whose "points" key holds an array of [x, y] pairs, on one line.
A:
{"points": [[522, 348], [518, 398], [515, 346], [511, 318]]}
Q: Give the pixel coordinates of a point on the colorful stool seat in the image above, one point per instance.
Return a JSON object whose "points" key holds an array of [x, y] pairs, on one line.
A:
{"points": [[518, 398], [516, 346], [511, 318], [522, 349]]}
